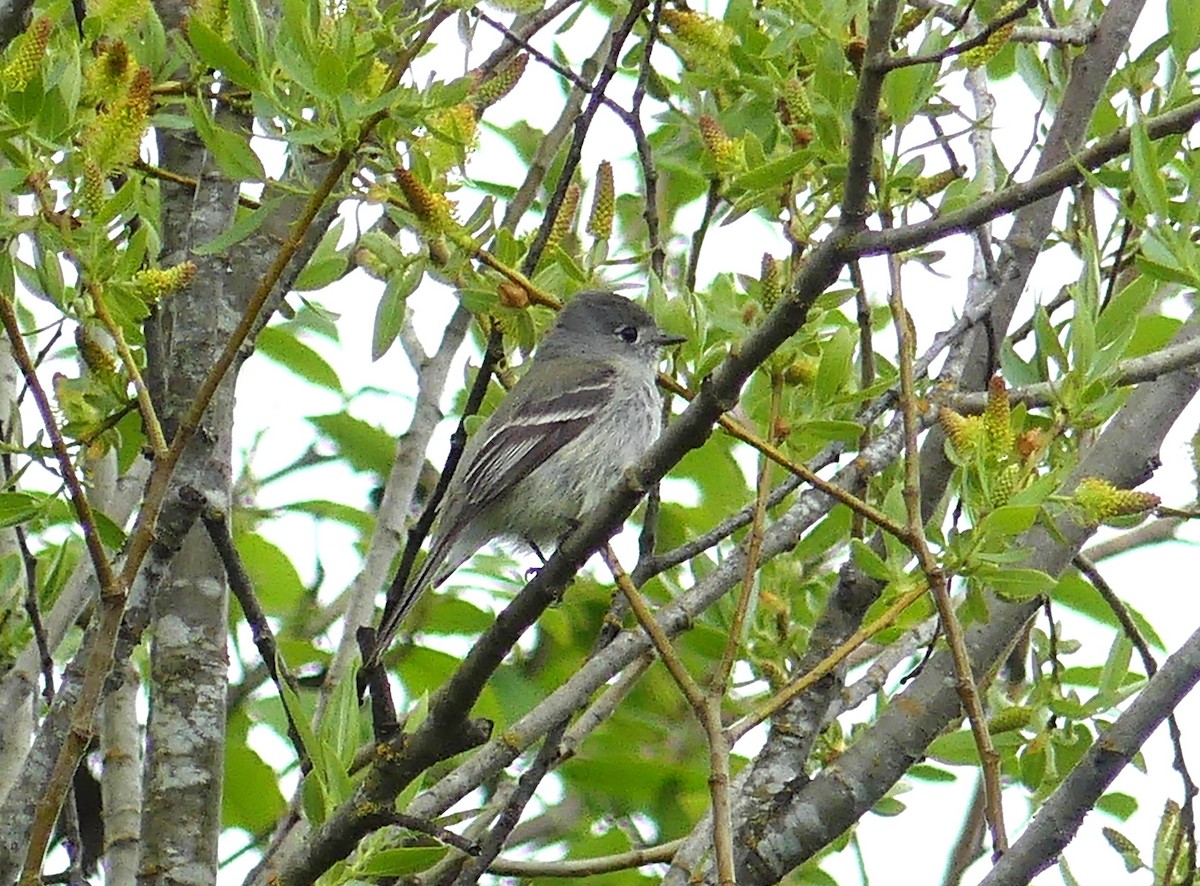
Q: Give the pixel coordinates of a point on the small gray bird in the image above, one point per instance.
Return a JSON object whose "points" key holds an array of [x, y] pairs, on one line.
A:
{"points": [[584, 411]]}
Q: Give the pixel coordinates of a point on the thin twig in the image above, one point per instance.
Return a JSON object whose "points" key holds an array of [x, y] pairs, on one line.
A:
{"points": [[707, 712], [586, 867], [153, 427], [933, 570], [985, 33], [217, 525], [733, 642], [112, 596]]}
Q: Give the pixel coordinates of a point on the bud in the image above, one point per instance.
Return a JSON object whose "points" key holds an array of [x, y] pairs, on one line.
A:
{"points": [[512, 295], [801, 372], [501, 83], [154, 284], [27, 58], [603, 203], [1030, 443], [1098, 500], [781, 429], [855, 51], [371, 263], [112, 140]]}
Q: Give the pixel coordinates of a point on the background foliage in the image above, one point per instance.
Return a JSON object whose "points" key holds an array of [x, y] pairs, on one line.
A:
{"points": [[888, 448]]}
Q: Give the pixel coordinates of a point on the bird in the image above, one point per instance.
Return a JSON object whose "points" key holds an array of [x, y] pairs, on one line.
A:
{"points": [[584, 411]]}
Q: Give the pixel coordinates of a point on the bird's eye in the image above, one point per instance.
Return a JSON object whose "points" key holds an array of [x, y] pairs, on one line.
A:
{"points": [[628, 334]]}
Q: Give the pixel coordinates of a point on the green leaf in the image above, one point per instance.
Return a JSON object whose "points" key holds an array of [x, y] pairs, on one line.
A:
{"points": [[959, 748], [251, 799], [1015, 584], [1183, 24], [314, 787], [1119, 805], [772, 174], [216, 53], [1116, 666], [1075, 593], [282, 345], [245, 223], [274, 578], [248, 29], [926, 772], [365, 446], [20, 507], [869, 561], [1010, 520], [400, 861], [389, 315], [326, 264], [833, 374], [10, 574], [1147, 178], [232, 152], [340, 729]]}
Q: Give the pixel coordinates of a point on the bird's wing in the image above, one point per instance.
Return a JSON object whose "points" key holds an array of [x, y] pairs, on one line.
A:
{"points": [[523, 433], [520, 435]]}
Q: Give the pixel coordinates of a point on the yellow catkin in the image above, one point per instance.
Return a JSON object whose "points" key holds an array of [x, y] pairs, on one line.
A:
{"points": [[996, 419], [769, 278], [154, 284], [435, 211], [1099, 500], [964, 432], [28, 56], [928, 185], [978, 56], [94, 355], [114, 137], [110, 74], [501, 84], [90, 192], [564, 222], [604, 204]]}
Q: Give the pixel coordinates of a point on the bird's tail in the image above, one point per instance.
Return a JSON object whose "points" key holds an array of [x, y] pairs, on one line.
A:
{"points": [[434, 570]]}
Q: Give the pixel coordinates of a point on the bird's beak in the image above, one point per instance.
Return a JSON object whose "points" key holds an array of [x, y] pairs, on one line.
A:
{"points": [[664, 339]]}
